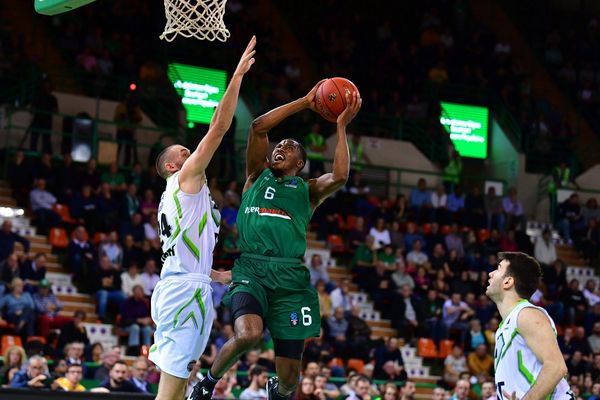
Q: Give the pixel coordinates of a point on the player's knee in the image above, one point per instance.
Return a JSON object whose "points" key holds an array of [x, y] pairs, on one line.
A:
{"points": [[288, 386], [249, 337]]}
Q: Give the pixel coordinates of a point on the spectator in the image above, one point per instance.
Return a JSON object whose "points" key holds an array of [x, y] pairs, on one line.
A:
{"points": [[594, 339], [475, 209], [580, 343], [36, 375], [382, 288], [439, 202], [72, 380], [420, 201], [337, 327], [108, 286], [358, 334], [340, 296], [224, 387], [389, 351], [44, 104], [135, 319], [14, 358], [232, 195], [117, 380], [20, 177], [574, 301], [68, 179], [545, 251], [416, 256], [361, 389], [109, 358], [80, 254], [131, 202], [381, 234], [513, 209], [508, 243], [47, 307], [316, 146], [130, 279], [139, 375], [488, 390], [576, 364], [408, 390], [84, 208], [401, 278], [8, 238], [318, 271], [324, 300], [590, 293], [439, 394], [112, 250], [454, 365], [590, 210], [570, 220], [480, 363], [258, 381], [231, 248], [74, 331], [588, 242], [107, 207], [114, 178], [456, 204], [405, 317], [230, 211], [33, 272], [396, 236], [148, 205], [461, 390], [91, 175], [494, 210], [9, 269], [358, 158], [454, 241], [364, 257], [149, 277], [475, 337], [358, 234], [389, 392], [74, 353], [42, 202], [455, 313], [412, 235], [18, 308], [329, 390]]}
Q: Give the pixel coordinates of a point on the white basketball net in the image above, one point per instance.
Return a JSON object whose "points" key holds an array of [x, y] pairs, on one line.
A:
{"points": [[202, 19]]}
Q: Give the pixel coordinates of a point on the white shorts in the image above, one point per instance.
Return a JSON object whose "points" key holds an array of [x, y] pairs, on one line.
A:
{"points": [[183, 312]]}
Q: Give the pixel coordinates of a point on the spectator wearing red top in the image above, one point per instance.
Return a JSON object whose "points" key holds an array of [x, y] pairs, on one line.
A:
{"points": [[135, 318], [507, 243]]}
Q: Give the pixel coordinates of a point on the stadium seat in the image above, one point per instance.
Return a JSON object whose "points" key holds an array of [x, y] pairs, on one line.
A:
{"points": [[10, 340], [119, 331], [426, 348], [350, 222], [98, 237], [335, 242], [58, 238], [426, 229], [483, 235], [445, 229], [446, 346], [336, 362], [356, 364], [40, 339], [64, 213]]}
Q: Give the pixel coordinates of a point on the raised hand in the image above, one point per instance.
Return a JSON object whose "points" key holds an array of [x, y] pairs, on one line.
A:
{"points": [[247, 58], [310, 97], [354, 103]]}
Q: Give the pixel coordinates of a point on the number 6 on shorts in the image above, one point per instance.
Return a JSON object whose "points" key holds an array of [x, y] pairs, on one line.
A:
{"points": [[306, 318]]}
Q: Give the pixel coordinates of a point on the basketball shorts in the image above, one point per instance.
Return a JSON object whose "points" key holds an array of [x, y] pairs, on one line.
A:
{"points": [[183, 312], [290, 304]]}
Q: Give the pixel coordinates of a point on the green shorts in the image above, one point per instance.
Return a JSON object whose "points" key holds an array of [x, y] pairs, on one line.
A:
{"points": [[282, 286]]}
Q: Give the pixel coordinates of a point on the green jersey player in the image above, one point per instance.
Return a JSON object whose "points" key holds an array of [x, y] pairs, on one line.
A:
{"points": [[270, 286]]}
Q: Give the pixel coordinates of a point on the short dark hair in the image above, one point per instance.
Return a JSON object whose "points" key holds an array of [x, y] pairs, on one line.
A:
{"points": [[71, 365], [256, 371], [161, 159], [119, 362], [525, 270]]}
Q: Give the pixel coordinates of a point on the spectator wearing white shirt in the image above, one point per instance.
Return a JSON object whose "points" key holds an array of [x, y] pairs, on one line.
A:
{"points": [[416, 256], [112, 249], [151, 228], [590, 293], [149, 277], [318, 271], [130, 279], [439, 202], [340, 297], [42, 202], [380, 233], [545, 251]]}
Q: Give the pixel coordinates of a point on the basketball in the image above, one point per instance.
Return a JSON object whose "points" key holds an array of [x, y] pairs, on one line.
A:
{"points": [[330, 100]]}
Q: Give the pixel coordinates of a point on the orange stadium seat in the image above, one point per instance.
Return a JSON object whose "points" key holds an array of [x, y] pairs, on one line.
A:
{"points": [[58, 238], [426, 348], [10, 340], [446, 346], [350, 222], [483, 235], [426, 229], [356, 364], [64, 213], [40, 339], [445, 229], [335, 242]]}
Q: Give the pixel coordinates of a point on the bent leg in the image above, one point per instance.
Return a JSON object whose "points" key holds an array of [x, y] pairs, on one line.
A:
{"points": [[170, 387]]}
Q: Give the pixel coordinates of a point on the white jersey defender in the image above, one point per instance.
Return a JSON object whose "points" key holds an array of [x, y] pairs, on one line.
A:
{"points": [[182, 306], [516, 366]]}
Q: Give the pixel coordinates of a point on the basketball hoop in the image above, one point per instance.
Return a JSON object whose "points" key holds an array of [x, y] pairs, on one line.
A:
{"points": [[202, 19]]}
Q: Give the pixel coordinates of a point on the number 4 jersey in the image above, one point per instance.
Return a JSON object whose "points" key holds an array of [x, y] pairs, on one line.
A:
{"points": [[517, 368], [188, 229], [274, 216]]}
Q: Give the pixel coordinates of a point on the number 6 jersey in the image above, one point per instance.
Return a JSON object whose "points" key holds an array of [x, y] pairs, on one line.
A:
{"points": [[188, 229], [517, 368], [274, 216]]}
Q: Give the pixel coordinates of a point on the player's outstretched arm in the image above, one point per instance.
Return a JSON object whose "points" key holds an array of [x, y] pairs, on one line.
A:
{"points": [[191, 177], [325, 185], [258, 141], [535, 328]]}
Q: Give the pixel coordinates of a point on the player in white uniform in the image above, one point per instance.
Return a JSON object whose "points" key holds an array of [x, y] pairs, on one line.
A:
{"points": [[527, 360], [189, 220]]}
